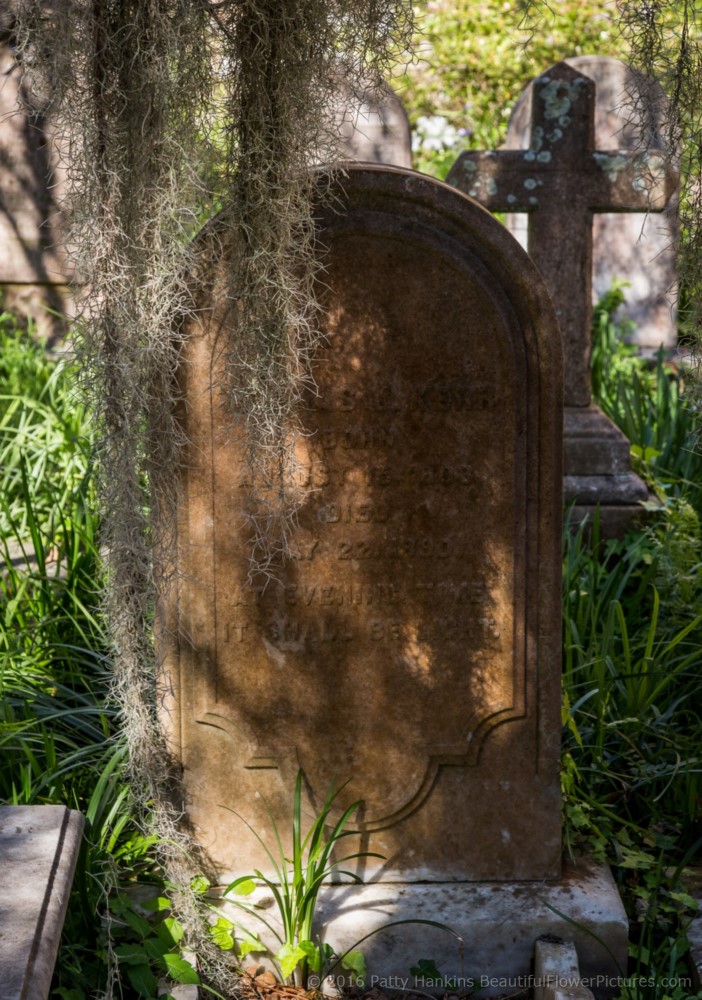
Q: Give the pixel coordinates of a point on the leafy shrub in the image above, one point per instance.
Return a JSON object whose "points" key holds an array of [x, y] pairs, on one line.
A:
{"points": [[632, 634], [59, 736], [473, 61]]}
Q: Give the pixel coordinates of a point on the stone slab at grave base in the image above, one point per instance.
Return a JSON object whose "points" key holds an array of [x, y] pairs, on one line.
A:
{"points": [[499, 922], [39, 847], [48, 307], [598, 472]]}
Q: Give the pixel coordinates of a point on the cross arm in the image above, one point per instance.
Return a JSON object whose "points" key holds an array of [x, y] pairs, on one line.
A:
{"points": [[505, 180], [643, 182], [510, 180]]}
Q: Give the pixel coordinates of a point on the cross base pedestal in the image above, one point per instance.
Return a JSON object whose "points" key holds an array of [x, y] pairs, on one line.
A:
{"points": [[598, 472]]}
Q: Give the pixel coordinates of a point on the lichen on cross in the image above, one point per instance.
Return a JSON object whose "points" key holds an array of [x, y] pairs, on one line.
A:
{"points": [[561, 180]]}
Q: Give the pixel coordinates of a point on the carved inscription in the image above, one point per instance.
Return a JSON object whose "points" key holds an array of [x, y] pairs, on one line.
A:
{"points": [[399, 578], [399, 643]]}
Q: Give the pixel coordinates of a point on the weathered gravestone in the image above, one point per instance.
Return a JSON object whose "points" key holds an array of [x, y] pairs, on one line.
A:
{"points": [[561, 181], [34, 271], [39, 848], [411, 644], [636, 248], [374, 129]]}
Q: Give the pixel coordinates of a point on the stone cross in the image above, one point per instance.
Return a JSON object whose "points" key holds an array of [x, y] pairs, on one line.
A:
{"points": [[561, 180], [640, 249]]}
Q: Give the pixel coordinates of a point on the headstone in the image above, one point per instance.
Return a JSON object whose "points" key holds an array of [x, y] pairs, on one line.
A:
{"points": [[562, 181], [374, 129], [34, 271], [39, 847], [636, 248], [411, 645]]}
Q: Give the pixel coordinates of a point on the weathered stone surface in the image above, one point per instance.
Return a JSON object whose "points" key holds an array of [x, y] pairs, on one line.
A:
{"points": [[39, 848], [596, 446], [500, 924], [556, 972], [412, 643], [636, 248], [31, 226], [374, 130], [561, 181]]}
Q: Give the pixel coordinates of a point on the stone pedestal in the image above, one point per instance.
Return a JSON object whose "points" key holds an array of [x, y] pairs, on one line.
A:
{"points": [[499, 923], [39, 848], [597, 472]]}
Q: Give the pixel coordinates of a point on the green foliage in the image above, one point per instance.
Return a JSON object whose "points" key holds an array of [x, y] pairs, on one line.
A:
{"points": [[296, 886], [632, 764], [59, 738], [474, 59], [650, 406], [146, 939], [632, 620]]}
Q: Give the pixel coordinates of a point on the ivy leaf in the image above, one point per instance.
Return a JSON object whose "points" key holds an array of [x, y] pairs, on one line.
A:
{"points": [[311, 950], [426, 969], [174, 928], [241, 886], [143, 980], [156, 905], [181, 970], [249, 944], [221, 934], [289, 956], [131, 954], [355, 962]]}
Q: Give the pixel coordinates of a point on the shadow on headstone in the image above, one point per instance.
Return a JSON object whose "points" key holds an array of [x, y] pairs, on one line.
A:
{"points": [[373, 129], [34, 271]]}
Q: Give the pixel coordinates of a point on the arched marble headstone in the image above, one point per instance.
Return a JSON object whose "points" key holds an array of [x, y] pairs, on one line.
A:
{"points": [[411, 644], [634, 247], [374, 130]]}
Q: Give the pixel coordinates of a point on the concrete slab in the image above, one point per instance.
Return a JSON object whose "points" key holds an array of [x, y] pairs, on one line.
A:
{"points": [[499, 923], [39, 847], [556, 972]]}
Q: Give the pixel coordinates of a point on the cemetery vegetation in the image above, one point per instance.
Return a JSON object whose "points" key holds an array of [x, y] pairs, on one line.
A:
{"points": [[474, 59], [60, 740], [632, 754], [295, 890], [632, 630]]}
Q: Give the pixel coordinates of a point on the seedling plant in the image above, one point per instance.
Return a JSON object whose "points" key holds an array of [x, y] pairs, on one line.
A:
{"points": [[295, 888]]}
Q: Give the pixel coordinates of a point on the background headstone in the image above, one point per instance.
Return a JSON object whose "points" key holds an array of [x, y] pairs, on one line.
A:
{"points": [[34, 273], [639, 249], [412, 643], [374, 130]]}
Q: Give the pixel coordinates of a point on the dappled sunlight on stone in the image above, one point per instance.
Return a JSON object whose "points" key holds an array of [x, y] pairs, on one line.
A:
{"points": [[409, 643]]}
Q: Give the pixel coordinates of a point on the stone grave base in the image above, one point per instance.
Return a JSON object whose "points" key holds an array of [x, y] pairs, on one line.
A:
{"points": [[39, 847], [499, 922], [597, 472], [48, 306]]}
